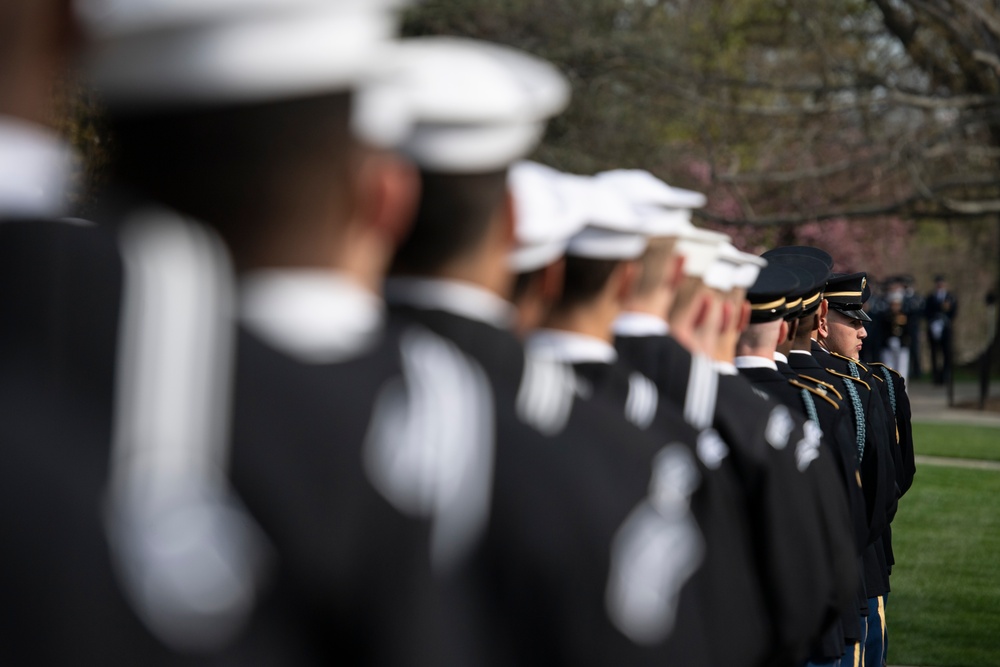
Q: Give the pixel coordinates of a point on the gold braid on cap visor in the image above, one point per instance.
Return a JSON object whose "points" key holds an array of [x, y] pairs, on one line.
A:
{"points": [[768, 306]]}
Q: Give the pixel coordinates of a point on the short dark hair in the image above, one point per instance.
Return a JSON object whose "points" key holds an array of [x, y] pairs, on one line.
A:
{"points": [[454, 215], [585, 278], [523, 281], [239, 168]]}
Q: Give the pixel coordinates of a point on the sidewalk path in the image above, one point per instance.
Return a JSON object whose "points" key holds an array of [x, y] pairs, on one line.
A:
{"points": [[929, 403], [971, 464]]}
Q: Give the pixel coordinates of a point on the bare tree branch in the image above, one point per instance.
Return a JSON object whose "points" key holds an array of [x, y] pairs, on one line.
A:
{"points": [[981, 207], [990, 21]]}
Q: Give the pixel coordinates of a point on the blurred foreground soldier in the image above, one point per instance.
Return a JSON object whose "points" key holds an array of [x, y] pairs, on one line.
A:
{"points": [[642, 334], [547, 213], [801, 550], [940, 309], [545, 583], [36, 43], [755, 359], [723, 593], [60, 601], [274, 545], [705, 580], [757, 433]]}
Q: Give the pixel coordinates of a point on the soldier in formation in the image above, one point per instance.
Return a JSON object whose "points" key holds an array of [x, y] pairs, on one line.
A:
{"points": [[332, 374]]}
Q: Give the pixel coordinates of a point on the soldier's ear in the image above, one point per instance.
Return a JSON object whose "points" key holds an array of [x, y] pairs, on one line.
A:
{"points": [[702, 310], [822, 326], [388, 188], [675, 271], [627, 273], [744, 316], [509, 216], [552, 279]]}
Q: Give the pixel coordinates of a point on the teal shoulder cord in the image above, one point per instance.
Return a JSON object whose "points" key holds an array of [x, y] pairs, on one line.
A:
{"points": [[807, 399], [859, 414], [892, 389]]}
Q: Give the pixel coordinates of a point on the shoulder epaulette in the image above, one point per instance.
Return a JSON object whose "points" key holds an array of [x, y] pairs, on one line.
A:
{"points": [[827, 385], [878, 378], [890, 368], [849, 377], [813, 390], [853, 361]]}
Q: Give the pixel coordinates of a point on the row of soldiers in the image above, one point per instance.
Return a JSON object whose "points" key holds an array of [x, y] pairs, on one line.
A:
{"points": [[331, 374]]}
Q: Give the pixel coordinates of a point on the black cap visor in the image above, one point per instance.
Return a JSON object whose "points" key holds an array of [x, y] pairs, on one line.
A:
{"points": [[853, 314]]}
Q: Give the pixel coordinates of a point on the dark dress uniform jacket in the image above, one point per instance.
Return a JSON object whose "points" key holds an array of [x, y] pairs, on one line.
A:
{"points": [[726, 591], [838, 436], [881, 428], [783, 507], [572, 482], [59, 286], [341, 558]]}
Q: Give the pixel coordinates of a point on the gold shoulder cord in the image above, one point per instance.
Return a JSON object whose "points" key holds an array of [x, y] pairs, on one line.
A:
{"points": [[828, 386], [853, 361], [814, 391], [849, 377]]}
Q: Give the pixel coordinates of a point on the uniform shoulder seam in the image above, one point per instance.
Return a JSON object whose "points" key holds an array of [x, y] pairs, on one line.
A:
{"points": [[849, 377], [814, 391], [824, 384]]}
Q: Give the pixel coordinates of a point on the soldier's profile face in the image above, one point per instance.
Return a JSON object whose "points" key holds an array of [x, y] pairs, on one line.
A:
{"points": [[845, 334]]}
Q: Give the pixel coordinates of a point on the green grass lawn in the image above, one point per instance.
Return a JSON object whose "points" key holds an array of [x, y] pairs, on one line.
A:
{"points": [[944, 609], [965, 442]]}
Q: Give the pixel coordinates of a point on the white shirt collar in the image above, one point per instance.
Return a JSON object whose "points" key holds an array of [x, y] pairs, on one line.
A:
{"points": [[313, 315], [805, 352], [569, 347], [640, 324], [725, 368], [34, 170], [452, 296], [755, 362], [778, 356]]}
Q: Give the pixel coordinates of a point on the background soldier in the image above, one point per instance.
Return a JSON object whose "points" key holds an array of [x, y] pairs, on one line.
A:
{"points": [[940, 309]]}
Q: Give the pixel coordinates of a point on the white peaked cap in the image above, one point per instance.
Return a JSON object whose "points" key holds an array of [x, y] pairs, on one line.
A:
{"points": [[547, 213], [642, 187], [733, 268], [145, 53], [614, 228], [700, 248], [475, 106], [748, 266], [721, 274], [665, 210]]}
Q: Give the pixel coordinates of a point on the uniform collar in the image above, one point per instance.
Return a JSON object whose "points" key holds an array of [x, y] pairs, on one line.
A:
{"points": [[779, 357], [313, 315], [725, 368], [34, 170], [805, 352], [452, 296], [755, 362], [569, 347], [640, 324]]}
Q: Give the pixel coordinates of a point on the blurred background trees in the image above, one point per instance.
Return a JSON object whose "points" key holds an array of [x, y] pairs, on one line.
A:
{"points": [[871, 127]]}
